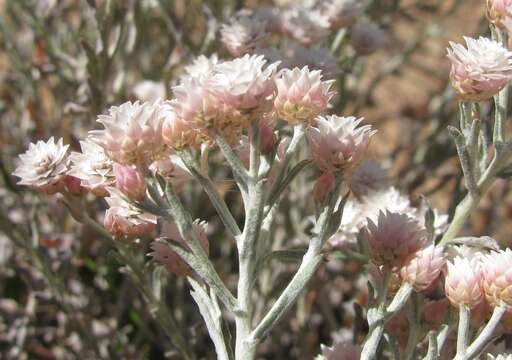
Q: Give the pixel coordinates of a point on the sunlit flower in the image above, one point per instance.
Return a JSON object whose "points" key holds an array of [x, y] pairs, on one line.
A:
{"points": [[133, 132], [499, 357], [479, 70], [130, 181], [148, 90], [179, 133], [242, 35], [44, 166], [463, 283], [202, 67], [165, 256], [301, 95], [393, 239], [341, 13], [497, 275], [245, 83], [338, 143], [308, 26], [93, 167], [366, 37], [424, 267], [124, 220]]}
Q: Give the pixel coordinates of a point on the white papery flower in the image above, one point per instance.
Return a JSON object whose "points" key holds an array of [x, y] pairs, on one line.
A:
{"points": [[133, 132], [44, 166], [499, 357], [307, 26], [244, 83], [202, 67], [93, 167], [480, 69], [243, 34], [148, 90], [338, 143]]}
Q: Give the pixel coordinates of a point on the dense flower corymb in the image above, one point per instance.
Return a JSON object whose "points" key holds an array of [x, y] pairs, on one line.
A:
{"points": [[93, 167], [301, 95], [393, 239], [463, 283], [337, 143], [497, 275], [133, 132], [424, 267], [480, 69], [307, 26], [44, 166]]}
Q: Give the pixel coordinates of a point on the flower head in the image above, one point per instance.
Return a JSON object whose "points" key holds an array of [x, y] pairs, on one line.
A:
{"points": [[393, 239], [148, 90], [463, 283], [165, 256], [93, 167], [133, 132], [124, 220], [336, 143], [341, 13], [499, 357], [44, 166], [243, 34], [245, 83], [301, 95], [179, 133], [366, 37], [130, 181], [202, 67], [424, 267], [497, 275], [307, 26], [479, 70]]}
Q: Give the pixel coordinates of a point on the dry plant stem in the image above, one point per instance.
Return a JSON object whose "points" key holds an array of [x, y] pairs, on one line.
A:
{"points": [[485, 335], [307, 268], [159, 310], [463, 332], [378, 315]]}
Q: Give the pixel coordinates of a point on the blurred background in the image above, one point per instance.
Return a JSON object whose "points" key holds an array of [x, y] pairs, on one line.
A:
{"points": [[64, 294]]}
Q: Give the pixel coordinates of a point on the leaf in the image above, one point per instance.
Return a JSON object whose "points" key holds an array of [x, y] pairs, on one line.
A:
{"points": [[483, 242]]}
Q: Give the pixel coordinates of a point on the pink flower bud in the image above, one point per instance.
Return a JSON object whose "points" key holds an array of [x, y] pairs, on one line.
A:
{"points": [[497, 275], [479, 70], [337, 143], [323, 186], [165, 256], [393, 239], [267, 139], [301, 95], [463, 283], [121, 226], [130, 181], [73, 185], [424, 267]]}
